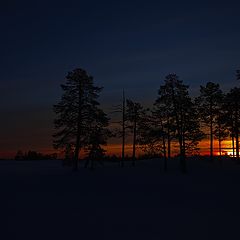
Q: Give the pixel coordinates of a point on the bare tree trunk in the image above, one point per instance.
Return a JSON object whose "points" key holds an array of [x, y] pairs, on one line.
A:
{"points": [[165, 154], [182, 155], [219, 142], [237, 146], [164, 147], [233, 145], [77, 146], [232, 135], [134, 141], [169, 141], [123, 130], [182, 147], [237, 132], [237, 142], [220, 150], [211, 133], [76, 154], [180, 136], [184, 167]]}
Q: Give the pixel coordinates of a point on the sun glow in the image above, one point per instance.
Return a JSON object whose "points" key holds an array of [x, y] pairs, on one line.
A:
{"points": [[230, 154]]}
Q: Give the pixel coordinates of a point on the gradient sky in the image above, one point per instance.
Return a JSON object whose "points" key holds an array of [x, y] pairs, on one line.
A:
{"points": [[130, 44]]}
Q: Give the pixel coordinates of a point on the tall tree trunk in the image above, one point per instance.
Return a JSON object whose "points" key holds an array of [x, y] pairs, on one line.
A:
{"points": [[233, 145], [134, 141], [179, 131], [77, 150], [219, 141], [169, 141], [75, 165], [237, 141], [232, 135], [237, 131], [77, 146], [211, 142], [123, 130], [211, 133], [184, 169], [182, 147], [165, 154], [180, 140], [237, 145], [182, 155], [220, 150], [164, 148]]}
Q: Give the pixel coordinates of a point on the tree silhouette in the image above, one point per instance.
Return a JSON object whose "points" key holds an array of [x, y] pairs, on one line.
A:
{"points": [[97, 137], [120, 131], [233, 112], [134, 115], [184, 112], [208, 104], [163, 116], [123, 127], [75, 112], [68, 155], [149, 139], [221, 131]]}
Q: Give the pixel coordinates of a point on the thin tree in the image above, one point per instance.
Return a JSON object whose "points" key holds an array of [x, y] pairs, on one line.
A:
{"points": [[123, 127], [150, 135], [120, 130], [221, 131], [163, 115], [159, 124], [134, 115], [208, 104], [74, 112], [233, 110], [97, 138], [184, 112]]}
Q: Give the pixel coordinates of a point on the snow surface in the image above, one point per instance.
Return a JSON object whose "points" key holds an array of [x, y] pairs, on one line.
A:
{"points": [[44, 200]]}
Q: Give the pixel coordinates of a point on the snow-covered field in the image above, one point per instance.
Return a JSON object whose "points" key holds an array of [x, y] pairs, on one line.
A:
{"points": [[43, 200]]}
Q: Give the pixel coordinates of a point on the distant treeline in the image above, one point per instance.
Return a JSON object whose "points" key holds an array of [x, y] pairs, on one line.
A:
{"points": [[33, 155]]}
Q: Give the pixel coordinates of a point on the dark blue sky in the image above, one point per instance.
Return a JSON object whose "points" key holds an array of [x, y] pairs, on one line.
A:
{"points": [[130, 44]]}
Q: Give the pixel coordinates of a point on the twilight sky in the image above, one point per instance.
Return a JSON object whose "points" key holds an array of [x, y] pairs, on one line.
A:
{"points": [[130, 44]]}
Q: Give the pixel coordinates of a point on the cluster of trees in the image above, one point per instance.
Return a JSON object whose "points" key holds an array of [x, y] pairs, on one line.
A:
{"points": [[33, 155], [174, 119]]}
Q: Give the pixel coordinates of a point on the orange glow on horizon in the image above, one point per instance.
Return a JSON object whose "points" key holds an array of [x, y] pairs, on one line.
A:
{"points": [[116, 149]]}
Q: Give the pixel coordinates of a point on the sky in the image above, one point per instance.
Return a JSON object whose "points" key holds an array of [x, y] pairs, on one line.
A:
{"points": [[122, 44]]}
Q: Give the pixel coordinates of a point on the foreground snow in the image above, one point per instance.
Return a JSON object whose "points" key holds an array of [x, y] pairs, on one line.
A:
{"points": [[43, 200]]}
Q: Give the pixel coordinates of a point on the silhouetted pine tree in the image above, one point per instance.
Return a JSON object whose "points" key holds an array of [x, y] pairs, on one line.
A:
{"points": [[75, 112], [69, 154], [163, 115], [150, 136], [220, 130], [134, 115], [120, 129], [184, 112], [232, 104], [97, 137], [123, 127], [208, 104]]}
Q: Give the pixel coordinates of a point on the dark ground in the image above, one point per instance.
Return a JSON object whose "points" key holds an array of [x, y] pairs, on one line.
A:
{"points": [[43, 200]]}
